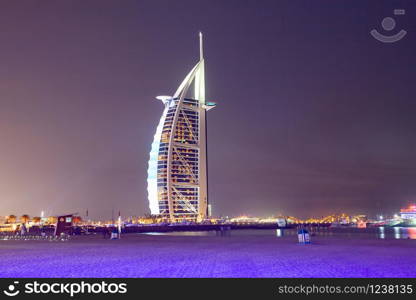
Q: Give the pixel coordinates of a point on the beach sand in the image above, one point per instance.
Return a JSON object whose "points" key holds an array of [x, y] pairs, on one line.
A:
{"points": [[249, 254]]}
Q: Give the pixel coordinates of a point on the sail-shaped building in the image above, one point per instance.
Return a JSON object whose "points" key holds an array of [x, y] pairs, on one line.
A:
{"points": [[177, 174]]}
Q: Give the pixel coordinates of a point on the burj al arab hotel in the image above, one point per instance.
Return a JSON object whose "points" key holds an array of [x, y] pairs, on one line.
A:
{"points": [[177, 174]]}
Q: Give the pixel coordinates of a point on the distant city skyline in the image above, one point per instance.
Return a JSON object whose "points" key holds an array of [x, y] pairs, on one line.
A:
{"points": [[315, 116]]}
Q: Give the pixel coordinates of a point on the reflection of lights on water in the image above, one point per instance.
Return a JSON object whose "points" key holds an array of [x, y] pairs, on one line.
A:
{"points": [[182, 233], [382, 235], [412, 233], [399, 233], [396, 232], [382, 232]]}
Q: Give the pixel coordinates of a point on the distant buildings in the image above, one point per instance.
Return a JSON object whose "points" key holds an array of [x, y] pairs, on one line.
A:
{"points": [[177, 173], [408, 213]]}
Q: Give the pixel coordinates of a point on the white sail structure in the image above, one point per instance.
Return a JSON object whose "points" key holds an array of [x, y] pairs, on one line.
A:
{"points": [[177, 174]]}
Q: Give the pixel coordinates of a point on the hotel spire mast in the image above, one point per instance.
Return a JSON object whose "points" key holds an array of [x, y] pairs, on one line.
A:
{"points": [[200, 74]]}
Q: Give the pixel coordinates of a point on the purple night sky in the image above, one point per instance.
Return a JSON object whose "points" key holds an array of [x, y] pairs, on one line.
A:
{"points": [[314, 115]]}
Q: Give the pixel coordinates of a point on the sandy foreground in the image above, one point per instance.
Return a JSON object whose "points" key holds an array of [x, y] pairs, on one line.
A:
{"points": [[248, 254]]}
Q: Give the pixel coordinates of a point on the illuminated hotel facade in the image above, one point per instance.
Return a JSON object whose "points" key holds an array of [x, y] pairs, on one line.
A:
{"points": [[177, 174]]}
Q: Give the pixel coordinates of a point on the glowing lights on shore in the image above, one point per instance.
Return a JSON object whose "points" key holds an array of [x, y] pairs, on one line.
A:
{"points": [[409, 213], [406, 218]]}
